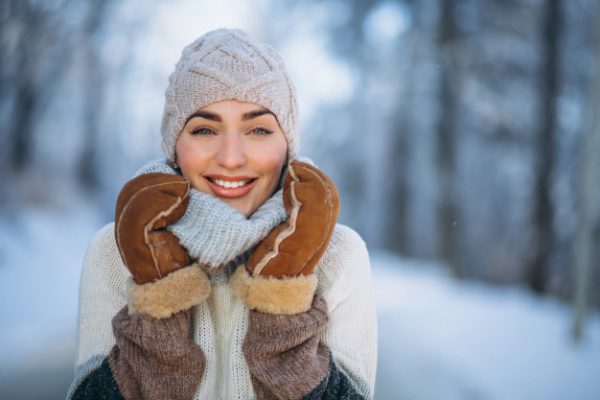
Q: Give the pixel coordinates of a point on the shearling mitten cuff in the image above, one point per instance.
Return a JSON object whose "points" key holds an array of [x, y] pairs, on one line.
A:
{"points": [[268, 294], [176, 292]]}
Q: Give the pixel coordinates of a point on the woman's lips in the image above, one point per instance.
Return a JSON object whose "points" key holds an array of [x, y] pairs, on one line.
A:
{"points": [[215, 184]]}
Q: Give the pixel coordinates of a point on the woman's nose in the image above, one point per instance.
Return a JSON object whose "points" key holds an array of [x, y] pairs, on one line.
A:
{"points": [[231, 153]]}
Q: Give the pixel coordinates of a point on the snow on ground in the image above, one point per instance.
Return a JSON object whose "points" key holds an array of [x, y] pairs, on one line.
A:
{"points": [[444, 339], [438, 338], [41, 251]]}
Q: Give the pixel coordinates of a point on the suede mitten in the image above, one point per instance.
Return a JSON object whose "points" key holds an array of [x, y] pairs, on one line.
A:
{"points": [[164, 280], [278, 278]]}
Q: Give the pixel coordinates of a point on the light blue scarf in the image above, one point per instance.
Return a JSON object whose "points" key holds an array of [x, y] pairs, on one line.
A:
{"points": [[214, 232]]}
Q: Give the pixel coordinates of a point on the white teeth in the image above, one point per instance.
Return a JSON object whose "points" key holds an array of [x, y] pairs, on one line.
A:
{"points": [[230, 185]]}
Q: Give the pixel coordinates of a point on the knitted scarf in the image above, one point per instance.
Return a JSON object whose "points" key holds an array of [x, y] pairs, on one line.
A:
{"points": [[214, 232]]}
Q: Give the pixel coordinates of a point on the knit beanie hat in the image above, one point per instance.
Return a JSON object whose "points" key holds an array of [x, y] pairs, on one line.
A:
{"points": [[228, 64]]}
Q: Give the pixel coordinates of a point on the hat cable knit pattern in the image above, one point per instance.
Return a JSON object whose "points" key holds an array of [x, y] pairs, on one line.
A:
{"points": [[228, 64]]}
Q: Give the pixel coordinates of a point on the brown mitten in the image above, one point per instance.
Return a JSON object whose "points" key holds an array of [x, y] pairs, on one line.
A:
{"points": [[278, 276], [164, 282]]}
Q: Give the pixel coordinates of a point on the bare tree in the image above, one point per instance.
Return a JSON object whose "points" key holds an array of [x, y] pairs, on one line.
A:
{"points": [[39, 53], [42, 42]]}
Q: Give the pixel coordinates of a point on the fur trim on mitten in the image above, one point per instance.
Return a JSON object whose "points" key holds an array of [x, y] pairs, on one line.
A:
{"points": [[177, 291], [272, 295]]}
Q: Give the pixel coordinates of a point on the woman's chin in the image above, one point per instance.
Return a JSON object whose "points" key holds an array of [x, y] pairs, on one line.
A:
{"points": [[243, 207]]}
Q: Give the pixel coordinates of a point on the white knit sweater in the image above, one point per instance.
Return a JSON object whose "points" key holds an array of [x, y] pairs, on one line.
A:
{"points": [[220, 323]]}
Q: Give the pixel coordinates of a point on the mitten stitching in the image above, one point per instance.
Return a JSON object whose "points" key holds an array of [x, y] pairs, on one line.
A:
{"points": [[329, 225], [286, 232], [148, 228]]}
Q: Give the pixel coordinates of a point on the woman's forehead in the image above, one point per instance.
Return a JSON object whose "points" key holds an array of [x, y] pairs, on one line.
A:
{"points": [[236, 105]]}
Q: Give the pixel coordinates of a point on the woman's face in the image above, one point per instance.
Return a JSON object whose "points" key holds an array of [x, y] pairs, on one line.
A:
{"points": [[234, 151]]}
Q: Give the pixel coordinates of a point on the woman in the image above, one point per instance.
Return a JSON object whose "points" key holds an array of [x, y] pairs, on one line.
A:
{"points": [[224, 275]]}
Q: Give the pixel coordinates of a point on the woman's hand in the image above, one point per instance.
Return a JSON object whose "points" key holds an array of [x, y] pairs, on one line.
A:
{"points": [[164, 280], [278, 283], [295, 247], [278, 277]]}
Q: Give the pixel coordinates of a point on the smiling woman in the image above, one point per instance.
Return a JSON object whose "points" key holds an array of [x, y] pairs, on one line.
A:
{"points": [[225, 274]]}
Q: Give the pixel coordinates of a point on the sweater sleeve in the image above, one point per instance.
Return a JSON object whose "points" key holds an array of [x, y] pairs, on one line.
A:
{"points": [[329, 351], [345, 280], [123, 354], [287, 359]]}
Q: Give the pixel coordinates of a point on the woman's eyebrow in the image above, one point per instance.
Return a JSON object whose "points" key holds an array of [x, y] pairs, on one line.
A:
{"points": [[205, 115], [256, 113], [217, 117]]}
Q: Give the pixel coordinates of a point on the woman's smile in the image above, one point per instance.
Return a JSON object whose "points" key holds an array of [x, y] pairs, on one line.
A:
{"points": [[230, 187]]}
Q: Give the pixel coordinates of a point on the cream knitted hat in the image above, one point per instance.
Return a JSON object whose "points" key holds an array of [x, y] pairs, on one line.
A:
{"points": [[228, 64]]}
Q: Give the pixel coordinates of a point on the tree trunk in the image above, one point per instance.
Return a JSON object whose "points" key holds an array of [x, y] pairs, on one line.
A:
{"points": [[88, 171], [27, 94], [445, 152], [544, 211], [589, 186]]}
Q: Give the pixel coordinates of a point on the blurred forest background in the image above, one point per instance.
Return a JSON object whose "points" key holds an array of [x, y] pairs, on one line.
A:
{"points": [[461, 131]]}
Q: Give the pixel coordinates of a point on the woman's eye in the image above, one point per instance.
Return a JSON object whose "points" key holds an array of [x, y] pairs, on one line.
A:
{"points": [[202, 132], [261, 131]]}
